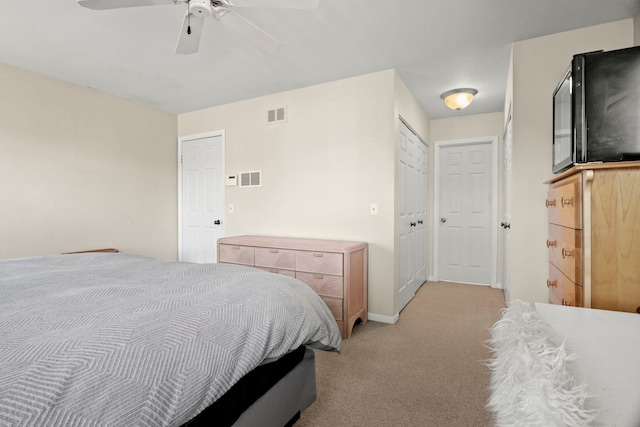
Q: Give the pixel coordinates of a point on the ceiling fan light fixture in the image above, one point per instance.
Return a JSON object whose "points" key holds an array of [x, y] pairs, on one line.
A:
{"points": [[200, 8], [457, 99]]}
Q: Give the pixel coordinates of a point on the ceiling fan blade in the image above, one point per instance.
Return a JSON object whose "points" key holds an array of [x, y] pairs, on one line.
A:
{"points": [[280, 4], [189, 41], [115, 4], [248, 31]]}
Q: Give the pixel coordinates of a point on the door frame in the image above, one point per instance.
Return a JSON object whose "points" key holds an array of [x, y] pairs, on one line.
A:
{"points": [[182, 139], [493, 141], [507, 152]]}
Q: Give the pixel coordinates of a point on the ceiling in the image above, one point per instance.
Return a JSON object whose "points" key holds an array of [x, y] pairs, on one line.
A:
{"points": [[434, 45]]}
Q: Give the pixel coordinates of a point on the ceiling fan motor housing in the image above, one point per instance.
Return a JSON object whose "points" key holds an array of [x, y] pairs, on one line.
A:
{"points": [[200, 8]]}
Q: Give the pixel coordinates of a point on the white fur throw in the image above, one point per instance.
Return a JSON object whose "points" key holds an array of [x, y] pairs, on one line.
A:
{"points": [[531, 384]]}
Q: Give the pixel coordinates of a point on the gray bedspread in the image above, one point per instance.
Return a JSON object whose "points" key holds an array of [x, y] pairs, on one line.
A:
{"points": [[123, 340]]}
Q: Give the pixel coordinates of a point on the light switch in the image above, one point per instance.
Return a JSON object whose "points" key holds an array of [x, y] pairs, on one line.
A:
{"points": [[374, 209], [230, 207]]}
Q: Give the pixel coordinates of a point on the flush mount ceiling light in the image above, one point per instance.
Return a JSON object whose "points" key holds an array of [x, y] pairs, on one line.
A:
{"points": [[457, 99]]}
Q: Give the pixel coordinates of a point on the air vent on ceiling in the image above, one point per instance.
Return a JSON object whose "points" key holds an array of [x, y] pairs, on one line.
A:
{"points": [[251, 179], [277, 115]]}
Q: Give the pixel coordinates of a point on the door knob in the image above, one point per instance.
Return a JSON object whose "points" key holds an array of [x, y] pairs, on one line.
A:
{"points": [[443, 219], [413, 224], [216, 222], [420, 221]]}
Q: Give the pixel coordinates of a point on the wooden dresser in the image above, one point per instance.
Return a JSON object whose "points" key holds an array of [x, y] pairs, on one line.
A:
{"points": [[336, 270], [594, 236]]}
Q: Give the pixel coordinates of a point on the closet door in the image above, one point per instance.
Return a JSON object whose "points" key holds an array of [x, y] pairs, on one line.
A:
{"points": [[412, 215]]}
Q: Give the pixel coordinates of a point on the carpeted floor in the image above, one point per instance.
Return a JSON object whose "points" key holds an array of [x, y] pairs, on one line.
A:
{"points": [[426, 370]]}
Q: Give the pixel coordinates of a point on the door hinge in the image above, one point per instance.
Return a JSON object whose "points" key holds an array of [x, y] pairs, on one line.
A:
{"points": [[181, 159]]}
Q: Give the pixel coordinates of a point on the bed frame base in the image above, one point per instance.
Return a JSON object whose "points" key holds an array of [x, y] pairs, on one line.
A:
{"points": [[283, 403]]}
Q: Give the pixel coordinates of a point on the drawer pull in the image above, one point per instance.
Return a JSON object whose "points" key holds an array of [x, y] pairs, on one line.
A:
{"points": [[318, 276], [566, 302], [567, 253], [553, 243], [273, 251], [551, 283], [566, 202], [318, 255], [235, 248], [550, 203]]}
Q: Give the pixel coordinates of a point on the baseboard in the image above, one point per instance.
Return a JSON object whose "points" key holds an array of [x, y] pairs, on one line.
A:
{"points": [[383, 319]]}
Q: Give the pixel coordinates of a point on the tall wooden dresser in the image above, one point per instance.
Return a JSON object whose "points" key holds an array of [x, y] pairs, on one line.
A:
{"points": [[335, 270], [594, 236]]}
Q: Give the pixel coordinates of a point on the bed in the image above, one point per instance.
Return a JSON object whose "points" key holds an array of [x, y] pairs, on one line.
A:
{"points": [[122, 340], [557, 365]]}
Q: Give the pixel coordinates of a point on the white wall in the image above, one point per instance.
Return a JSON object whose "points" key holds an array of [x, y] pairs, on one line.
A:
{"points": [[83, 170], [538, 65], [322, 168]]}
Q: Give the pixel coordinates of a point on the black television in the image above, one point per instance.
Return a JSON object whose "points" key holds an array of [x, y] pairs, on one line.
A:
{"points": [[596, 109]]}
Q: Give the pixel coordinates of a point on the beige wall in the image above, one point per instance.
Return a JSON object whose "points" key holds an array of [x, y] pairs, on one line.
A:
{"points": [[538, 65], [83, 170], [463, 127], [322, 168]]}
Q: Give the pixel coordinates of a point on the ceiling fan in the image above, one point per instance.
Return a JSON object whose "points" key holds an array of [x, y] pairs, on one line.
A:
{"points": [[221, 10]]}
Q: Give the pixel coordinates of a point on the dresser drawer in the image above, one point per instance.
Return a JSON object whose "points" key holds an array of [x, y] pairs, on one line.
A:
{"points": [[289, 273], [235, 254], [335, 306], [564, 202], [275, 258], [323, 284], [562, 290], [336, 270], [319, 262], [565, 251]]}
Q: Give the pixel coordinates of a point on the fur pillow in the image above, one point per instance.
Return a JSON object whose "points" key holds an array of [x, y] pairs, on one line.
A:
{"points": [[531, 384]]}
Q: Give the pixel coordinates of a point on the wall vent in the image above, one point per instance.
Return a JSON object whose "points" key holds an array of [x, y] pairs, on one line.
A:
{"points": [[277, 115], [251, 179]]}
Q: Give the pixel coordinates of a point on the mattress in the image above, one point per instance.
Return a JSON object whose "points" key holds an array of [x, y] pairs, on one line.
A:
{"points": [[120, 339]]}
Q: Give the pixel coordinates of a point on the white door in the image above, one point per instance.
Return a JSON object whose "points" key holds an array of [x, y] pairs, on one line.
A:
{"points": [[506, 212], [412, 215], [202, 197], [466, 212]]}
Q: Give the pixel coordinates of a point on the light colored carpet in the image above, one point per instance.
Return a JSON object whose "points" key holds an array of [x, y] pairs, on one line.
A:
{"points": [[429, 369]]}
